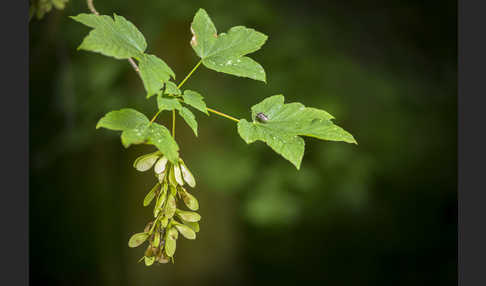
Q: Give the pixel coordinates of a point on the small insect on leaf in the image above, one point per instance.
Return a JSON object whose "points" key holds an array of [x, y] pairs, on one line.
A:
{"points": [[261, 117]]}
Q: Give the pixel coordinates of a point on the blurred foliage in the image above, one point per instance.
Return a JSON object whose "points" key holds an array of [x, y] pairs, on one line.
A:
{"points": [[40, 7], [380, 213]]}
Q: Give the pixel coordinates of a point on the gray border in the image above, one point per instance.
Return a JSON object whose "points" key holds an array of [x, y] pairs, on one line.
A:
{"points": [[472, 154], [15, 149]]}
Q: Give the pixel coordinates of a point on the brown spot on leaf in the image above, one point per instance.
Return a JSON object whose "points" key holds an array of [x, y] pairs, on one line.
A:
{"points": [[193, 39]]}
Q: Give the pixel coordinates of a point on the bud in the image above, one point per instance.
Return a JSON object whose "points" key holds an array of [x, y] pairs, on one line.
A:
{"points": [[145, 162]]}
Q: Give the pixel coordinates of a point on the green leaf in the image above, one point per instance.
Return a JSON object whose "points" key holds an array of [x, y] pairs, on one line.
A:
{"points": [[137, 135], [116, 37], [121, 120], [190, 118], [195, 100], [137, 129], [137, 239], [154, 73], [239, 66], [160, 137], [226, 52], [204, 33], [165, 103], [172, 89], [284, 125]]}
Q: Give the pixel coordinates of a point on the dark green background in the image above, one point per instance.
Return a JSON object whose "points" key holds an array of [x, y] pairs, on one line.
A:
{"points": [[380, 213]]}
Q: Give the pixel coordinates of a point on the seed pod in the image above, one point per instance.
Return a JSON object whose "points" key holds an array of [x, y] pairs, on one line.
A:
{"points": [[147, 227], [193, 225], [178, 175], [160, 177], [160, 200], [186, 231], [164, 222], [187, 175], [149, 260], [163, 259], [170, 207], [170, 242], [156, 241], [149, 251], [188, 216], [173, 191], [172, 232], [145, 162], [160, 165], [150, 196], [137, 239], [189, 199], [172, 179]]}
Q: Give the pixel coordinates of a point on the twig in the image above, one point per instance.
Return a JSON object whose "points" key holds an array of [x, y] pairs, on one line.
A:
{"points": [[93, 10], [91, 7], [135, 67]]}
